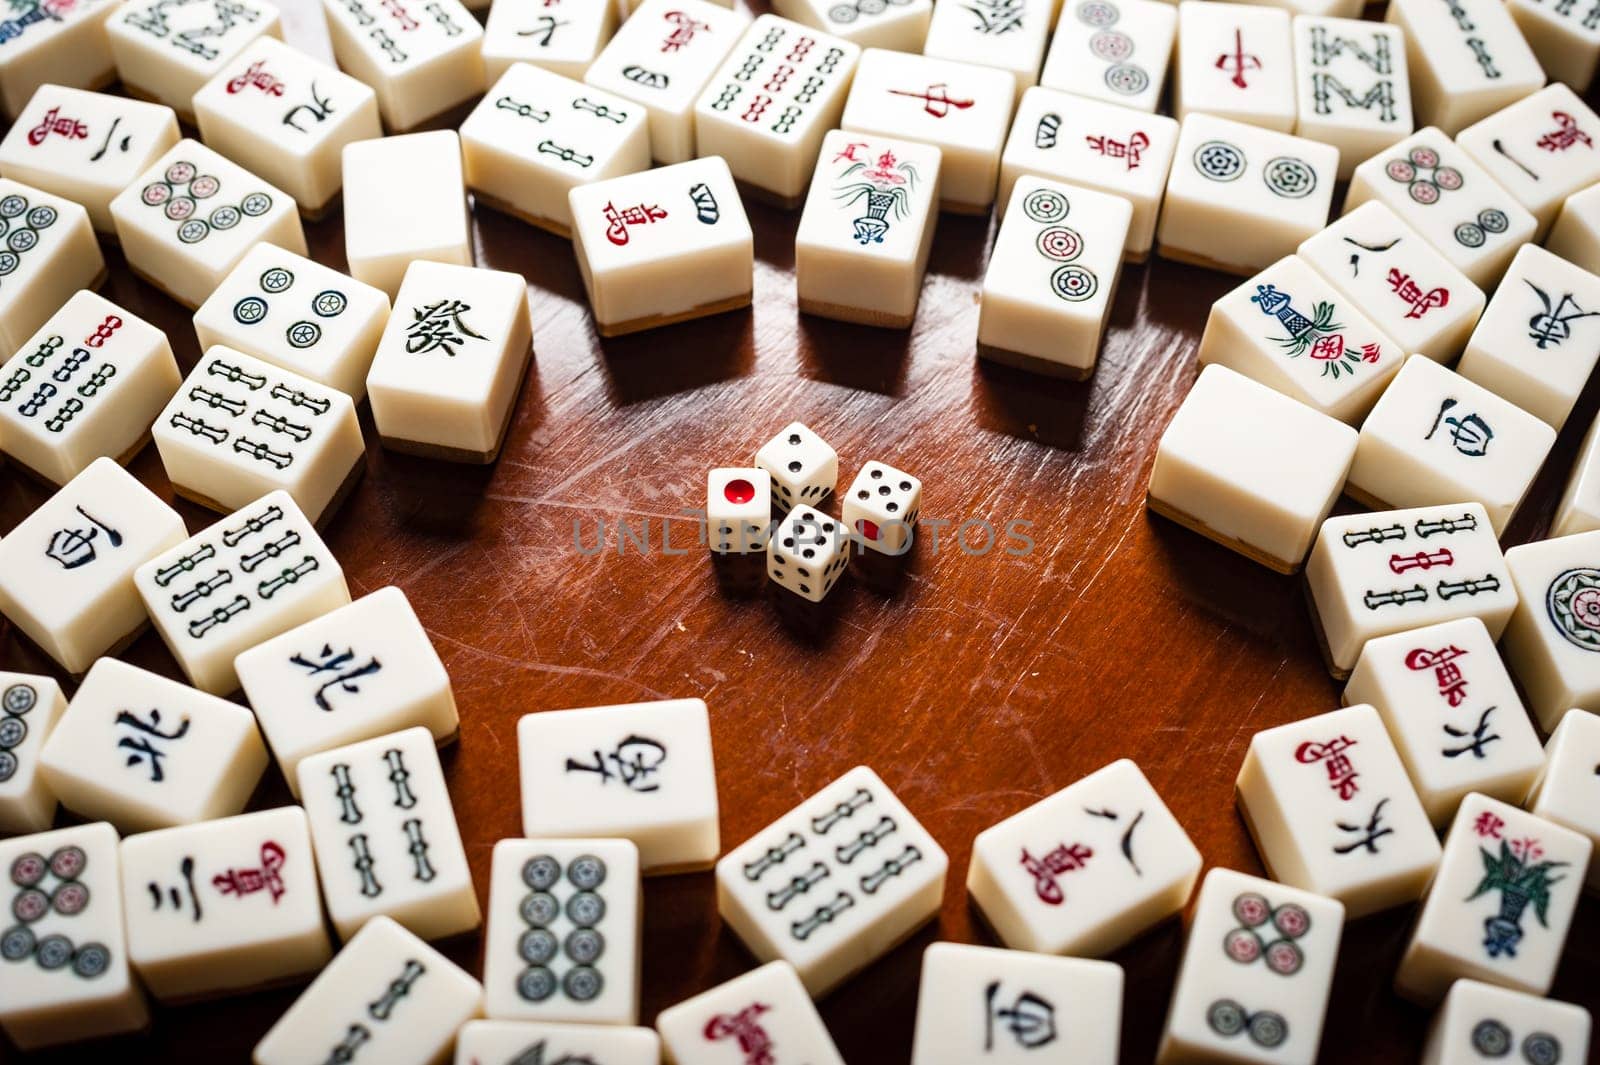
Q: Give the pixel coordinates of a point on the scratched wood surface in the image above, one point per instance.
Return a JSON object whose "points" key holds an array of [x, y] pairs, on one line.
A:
{"points": [[983, 681]]}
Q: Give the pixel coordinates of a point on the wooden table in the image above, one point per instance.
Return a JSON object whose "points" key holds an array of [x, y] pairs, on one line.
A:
{"points": [[988, 678]]}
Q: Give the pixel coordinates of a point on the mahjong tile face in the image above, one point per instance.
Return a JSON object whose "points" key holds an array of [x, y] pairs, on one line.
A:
{"points": [[1467, 58], [1568, 789], [562, 36], [49, 252], [898, 24], [420, 58], [167, 49], [537, 1041], [1235, 62], [1565, 37], [30, 706], [1112, 50], [1351, 88], [1541, 149], [764, 1012], [54, 41], [1480, 1022], [1553, 641], [1007, 35]]}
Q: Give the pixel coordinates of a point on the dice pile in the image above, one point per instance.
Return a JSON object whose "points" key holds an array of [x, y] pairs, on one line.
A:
{"points": [[1327, 373]]}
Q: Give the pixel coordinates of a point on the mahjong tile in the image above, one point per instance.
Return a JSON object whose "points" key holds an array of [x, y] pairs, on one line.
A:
{"points": [[738, 510], [765, 1012], [1236, 62], [1480, 1022], [1500, 906], [30, 706], [67, 570], [1553, 641], [420, 58], [862, 244], [563, 937], [1008, 35], [808, 553], [57, 41], [898, 24], [256, 573], [50, 253], [1112, 50], [167, 49], [536, 135], [1093, 145], [1568, 789], [562, 36], [1565, 38], [86, 146], [538, 1042], [1351, 89], [1540, 149], [64, 973], [1579, 509], [1576, 233], [835, 883], [387, 996], [1467, 58], [1086, 870], [1370, 575], [405, 202], [453, 355], [287, 117], [961, 109], [804, 467], [1436, 437]]}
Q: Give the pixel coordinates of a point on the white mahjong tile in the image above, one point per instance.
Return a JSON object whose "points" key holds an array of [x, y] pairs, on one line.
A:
{"points": [[1256, 973], [1576, 234], [1540, 149], [765, 1012], [1436, 437], [536, 135], [1093, 145], [1236, 62], [1480, 1022], [254, 574], [1220, 468], [662, 58], [738, 510], [638, 771], [1370, 575], [808, 553], [88, 384], [1412, 294], [1437, 189], [1552, 643], [420, 58], [835, 883], [1112, 50], [167, 49], [779, 91], [1008, 35], [539, 1042], [662, 246], [562, 36], [86, 146], [49, 253], [287, 117], [387, 996], [30, 706], [356, 672], [804, 467], [879, 509], [386, 836], [1086, 870], [1240, 197], [1290, 329], [862, 245], [1564, 36], [54, 41], [67, 570], [1568, 789], [1579, 509], [563, 938], [1500, 906], [452, 357], [961, 109], [1466, 58], [898, 24], [64, 973], [1351, 89], [1002, 1006], [405, 201]]}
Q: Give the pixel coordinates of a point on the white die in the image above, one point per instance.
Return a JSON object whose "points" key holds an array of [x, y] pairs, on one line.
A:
{"points": [[421, 60], [1220, 468], [1412, 294], [662, 58], [1240, 198], [1455, 717], [67, 570], [1370, 575], [961, 109], [1086, 870], [65, 974], [86, 146], [61, 44], [405, 201], [1466, 58], [1579, 509], [286, 116], [1540, 149], [186, 222], [835, 883], [1008, 35], [536, 135], [1256, 972], [1128, 45], [227, 905], [803, 466], [1500, 906], [88, 384], [1027, 1003], [662, 246], [1565, 38], [816, 545], [1351, 89], [1553, 641], [738, 510], [453, 355], [1235, 62], [766, 111], [641, 771], [1290, 329], [144, 752], [386, 837], [167, 49], [1568, 787], [1438, 190], [564, 41], [862, 244], [50, 253], [1480, 1022], [30, 706], [767, 1007], [562, 942], [1093, 145], [902, 26], [533, 1041], [256, 573], [880, 508], [362, 670], [1576, 233], [387, 994]]}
